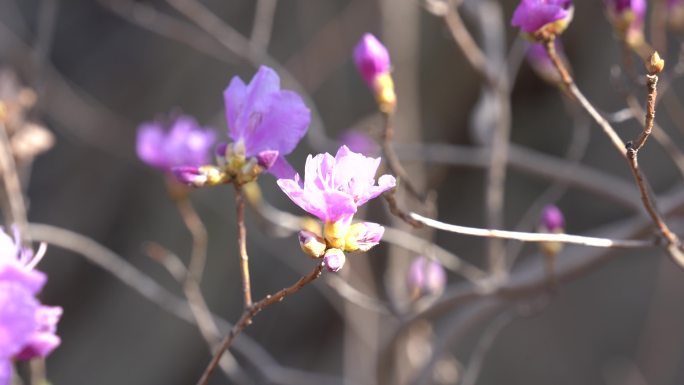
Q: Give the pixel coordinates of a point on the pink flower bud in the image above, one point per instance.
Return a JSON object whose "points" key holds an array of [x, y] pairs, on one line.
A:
{"points": [[371, 58], [334, 260], [312, 244], [552, 219]]}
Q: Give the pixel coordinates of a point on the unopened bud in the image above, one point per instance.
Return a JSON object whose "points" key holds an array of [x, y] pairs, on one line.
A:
{"points": [[335, 233], [552, 221], [654, 64], [334, 260], [425, 276], [312, 244], [200, 176]]}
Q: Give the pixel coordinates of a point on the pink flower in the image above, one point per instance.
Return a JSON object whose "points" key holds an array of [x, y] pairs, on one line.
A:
{"points": [[334, 187], [27, 328]]}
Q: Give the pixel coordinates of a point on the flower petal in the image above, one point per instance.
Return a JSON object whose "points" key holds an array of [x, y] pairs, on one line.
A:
{"points": [[234, 99], [147, 145], [282, 169], [282, 125], [5, 371]]}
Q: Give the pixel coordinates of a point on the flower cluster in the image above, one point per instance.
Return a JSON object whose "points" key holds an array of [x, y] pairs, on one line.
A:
{"points": [[373, 62], [264, 122], [540, 19], [27, 328], [332, 190]]}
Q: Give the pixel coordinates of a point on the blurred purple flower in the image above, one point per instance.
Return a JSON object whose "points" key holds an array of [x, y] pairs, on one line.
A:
{"points": [[532, 15], [334, 187], [185, 143], [360, 142], [27, 328], [552, 219], [627, 17], [264, 121], [425, 276]]}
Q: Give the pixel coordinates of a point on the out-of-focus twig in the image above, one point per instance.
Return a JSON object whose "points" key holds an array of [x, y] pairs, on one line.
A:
{"points": [[15, 195], [263, 24], [198, 306]]}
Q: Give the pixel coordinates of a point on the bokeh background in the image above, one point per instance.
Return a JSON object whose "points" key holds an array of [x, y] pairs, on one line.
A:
{"points": [[100, 68]]}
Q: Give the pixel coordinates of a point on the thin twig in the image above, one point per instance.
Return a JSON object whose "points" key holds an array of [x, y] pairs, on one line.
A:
{"points": [[198, 255], [150, 289], [398, 212], [673, 246], [651, 83], [533, 237], [393, 162], [242, 246], [467, 44], [484, 345], [660, 135], [198, 306], [15, 196], [251, 312], [574, 91]]}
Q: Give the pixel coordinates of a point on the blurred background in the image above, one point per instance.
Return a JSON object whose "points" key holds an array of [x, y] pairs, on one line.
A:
{"points": [[100, 68]]}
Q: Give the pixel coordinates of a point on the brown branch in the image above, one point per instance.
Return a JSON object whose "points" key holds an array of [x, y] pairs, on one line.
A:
{"points": [[654, 66], [398, 212], [651, 83], [194, 224], [242, 246], [251, 312]]}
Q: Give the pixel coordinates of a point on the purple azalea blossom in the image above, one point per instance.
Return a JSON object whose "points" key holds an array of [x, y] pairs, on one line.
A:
{"points": [[265, 121], [426, 276], [627, 15], [371, 58], [185, 143], [27, 328], [334, 187], [531, 15]]}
